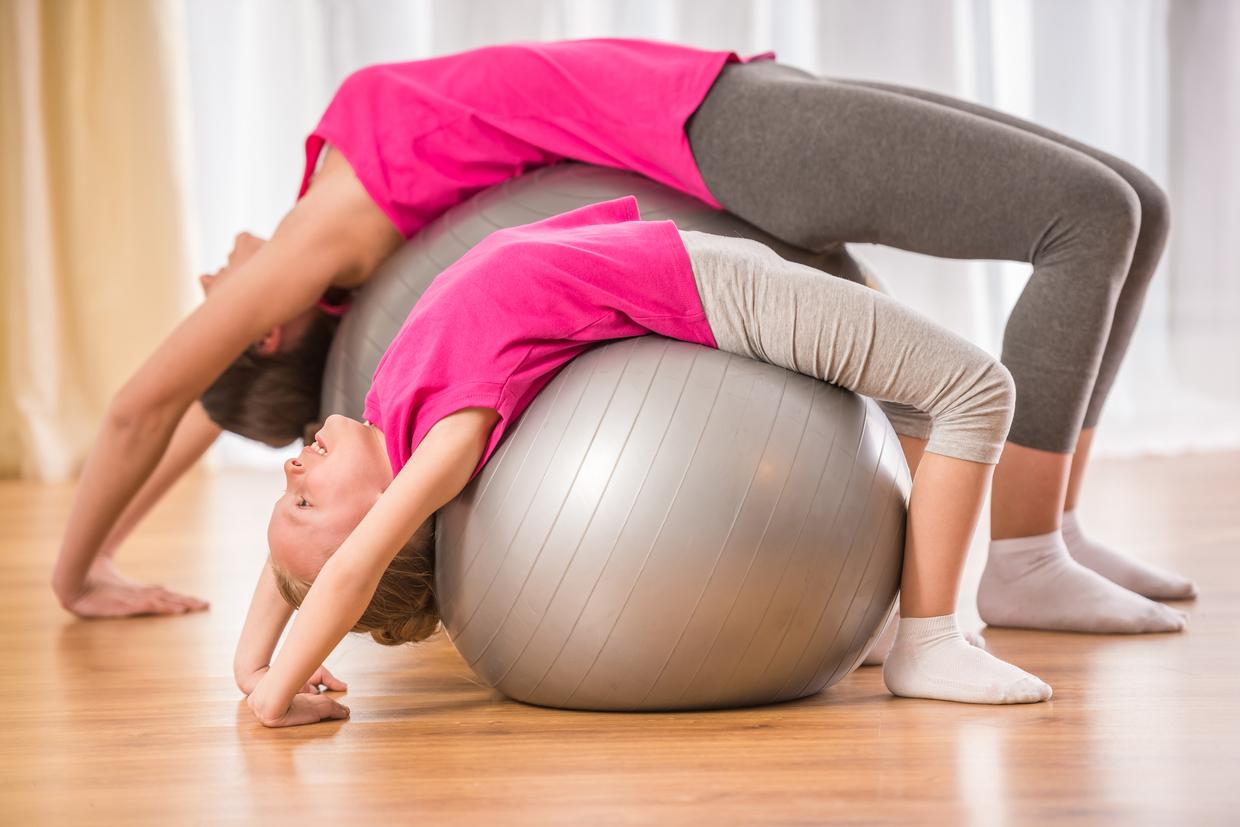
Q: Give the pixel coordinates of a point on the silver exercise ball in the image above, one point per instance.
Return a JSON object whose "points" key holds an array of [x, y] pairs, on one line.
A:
{"points": [[667, 526]]}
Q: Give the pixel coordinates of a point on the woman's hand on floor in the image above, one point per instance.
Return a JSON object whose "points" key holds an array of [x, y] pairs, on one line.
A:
{"points": [[108, 593]]}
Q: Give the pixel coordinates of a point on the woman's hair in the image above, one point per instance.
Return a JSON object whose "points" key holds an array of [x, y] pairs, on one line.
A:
{"points": [[273, 398], [403, 608]]}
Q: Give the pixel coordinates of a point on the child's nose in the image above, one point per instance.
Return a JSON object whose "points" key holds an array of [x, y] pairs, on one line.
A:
{"points": [[293, 466]]}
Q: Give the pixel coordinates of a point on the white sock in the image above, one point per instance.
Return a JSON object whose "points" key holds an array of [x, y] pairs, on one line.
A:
{"points": [[1033, 583], [882, 646], [1142, 578], [931, 659]]}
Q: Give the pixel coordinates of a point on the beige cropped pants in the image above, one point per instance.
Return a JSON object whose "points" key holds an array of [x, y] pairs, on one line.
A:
{"points": [[932, 383]]}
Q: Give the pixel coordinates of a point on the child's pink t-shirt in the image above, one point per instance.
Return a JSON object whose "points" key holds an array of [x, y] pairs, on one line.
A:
{"points": [[494, 328], [424, 135]]}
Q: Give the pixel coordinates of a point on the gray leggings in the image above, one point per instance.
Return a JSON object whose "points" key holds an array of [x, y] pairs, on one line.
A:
{"points": [[819, 161], [764, 307]]}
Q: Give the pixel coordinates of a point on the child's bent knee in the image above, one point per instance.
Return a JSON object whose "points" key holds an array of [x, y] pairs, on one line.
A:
{"points": [[1001, 391], [976, 425]]}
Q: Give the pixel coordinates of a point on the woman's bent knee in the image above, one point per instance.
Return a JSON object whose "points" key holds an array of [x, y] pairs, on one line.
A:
{"points": [[1105, 202]]}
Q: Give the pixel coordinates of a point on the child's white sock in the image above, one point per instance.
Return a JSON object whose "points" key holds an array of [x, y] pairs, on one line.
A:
{"points": [[931, 659], [1142, 578], [878, 652], [1033, 583]]}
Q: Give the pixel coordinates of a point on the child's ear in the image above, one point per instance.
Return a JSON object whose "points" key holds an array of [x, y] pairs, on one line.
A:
{"points": [[270, 343]]}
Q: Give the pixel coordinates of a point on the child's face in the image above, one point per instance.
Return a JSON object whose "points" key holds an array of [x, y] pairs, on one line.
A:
{"points": [[331, 485]]}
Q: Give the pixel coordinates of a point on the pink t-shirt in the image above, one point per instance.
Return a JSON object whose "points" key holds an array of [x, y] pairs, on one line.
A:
{"points": [[494, 328], [424, 135]]}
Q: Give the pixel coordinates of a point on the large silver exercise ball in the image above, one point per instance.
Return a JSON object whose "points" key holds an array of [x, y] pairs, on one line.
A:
{"points": [[667, 526]]}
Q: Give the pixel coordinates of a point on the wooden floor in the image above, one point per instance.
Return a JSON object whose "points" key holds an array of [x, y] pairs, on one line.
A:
{"points": [[138, 721]]}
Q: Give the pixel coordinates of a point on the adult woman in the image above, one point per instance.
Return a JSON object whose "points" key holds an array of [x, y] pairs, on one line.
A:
{"points": [[893, 166]]}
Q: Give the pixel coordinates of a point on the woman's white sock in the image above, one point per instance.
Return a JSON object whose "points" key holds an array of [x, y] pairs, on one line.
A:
{"points": [[1033, 583], [1142, 578], [931, 659]]}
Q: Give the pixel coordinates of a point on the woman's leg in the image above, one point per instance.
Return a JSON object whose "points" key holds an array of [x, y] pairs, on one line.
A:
{"points": [[763, 307], [1140, 577], [814, 161], [1012, 493]]}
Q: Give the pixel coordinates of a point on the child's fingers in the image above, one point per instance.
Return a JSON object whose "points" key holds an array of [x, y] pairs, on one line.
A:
{"points": [[332, 682], [311, 708], [332, 709]]}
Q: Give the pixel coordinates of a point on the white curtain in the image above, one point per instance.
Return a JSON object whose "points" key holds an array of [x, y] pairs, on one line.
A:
{"points": [[1153, 81], [92, 232]]}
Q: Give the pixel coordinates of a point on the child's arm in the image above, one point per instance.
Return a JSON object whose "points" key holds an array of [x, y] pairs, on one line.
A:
{"points": [[434, 475], [265, 621], [326, 238]]}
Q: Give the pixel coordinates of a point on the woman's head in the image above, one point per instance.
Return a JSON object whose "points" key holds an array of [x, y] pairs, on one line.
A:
{"points": [[330, 487], [271, 391], [271, 396]]}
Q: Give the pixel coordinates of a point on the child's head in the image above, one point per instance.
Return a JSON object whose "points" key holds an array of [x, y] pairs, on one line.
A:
{"points": [[330, 487], [270, 392]]}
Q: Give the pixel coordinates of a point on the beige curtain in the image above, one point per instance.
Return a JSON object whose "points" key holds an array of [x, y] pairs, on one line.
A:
{"points": [[93, 259]]}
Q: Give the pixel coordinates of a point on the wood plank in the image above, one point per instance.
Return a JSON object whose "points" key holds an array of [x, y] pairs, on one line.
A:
{"points": [[138, 721]]}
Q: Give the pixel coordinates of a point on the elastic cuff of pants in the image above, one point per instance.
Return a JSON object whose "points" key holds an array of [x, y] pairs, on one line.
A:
{"points": [[917, 427], [971, 451]]}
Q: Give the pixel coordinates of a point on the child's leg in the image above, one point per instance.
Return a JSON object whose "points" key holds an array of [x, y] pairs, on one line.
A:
{"points": [[816, 161], [908, 421], [760, 306], [1130, 573]]}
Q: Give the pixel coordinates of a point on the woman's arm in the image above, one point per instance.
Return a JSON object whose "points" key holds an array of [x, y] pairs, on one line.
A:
{"points": [[434, 475], [193, 436], [329, 235]]}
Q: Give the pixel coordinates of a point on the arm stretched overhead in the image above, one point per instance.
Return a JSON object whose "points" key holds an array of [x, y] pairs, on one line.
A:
{"points": [[436, 473], [334, 235]]}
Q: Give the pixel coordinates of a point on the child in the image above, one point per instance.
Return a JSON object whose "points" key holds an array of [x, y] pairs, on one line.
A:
{"points": [[496, 326]]}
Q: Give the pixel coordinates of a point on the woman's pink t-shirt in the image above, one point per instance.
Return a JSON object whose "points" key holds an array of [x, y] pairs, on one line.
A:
{"points": [[494, 328], [424, 135]]}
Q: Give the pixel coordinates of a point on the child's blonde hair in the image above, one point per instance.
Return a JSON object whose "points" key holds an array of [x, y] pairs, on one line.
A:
{"points": [[403, 608]]}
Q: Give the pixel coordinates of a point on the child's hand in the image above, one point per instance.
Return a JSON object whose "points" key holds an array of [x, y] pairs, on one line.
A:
{"points": [[321, 677], [304, 708]]}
